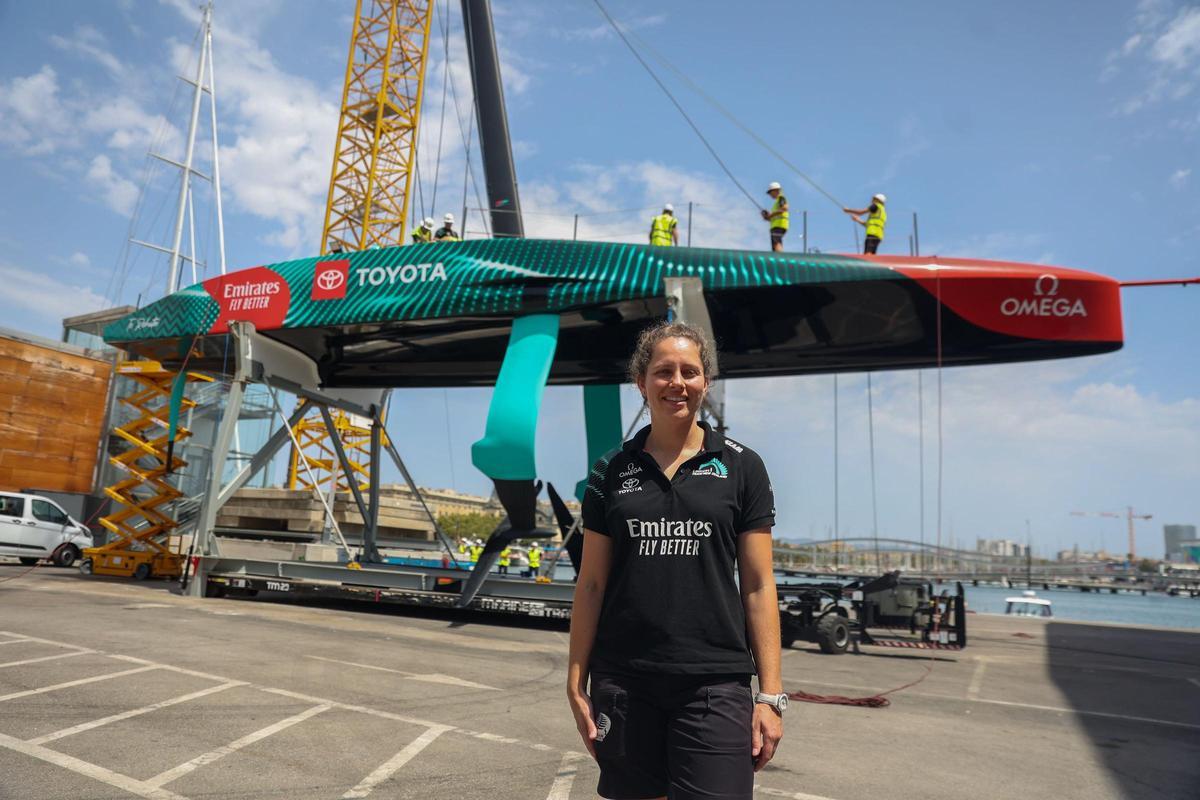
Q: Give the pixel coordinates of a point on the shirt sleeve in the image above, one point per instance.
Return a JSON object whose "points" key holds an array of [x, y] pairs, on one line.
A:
{"points": [[595, 496], [757, 507]]}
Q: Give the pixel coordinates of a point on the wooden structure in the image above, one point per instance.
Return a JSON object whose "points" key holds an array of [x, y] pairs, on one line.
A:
{"points": [[301, 515], [53, 402]]}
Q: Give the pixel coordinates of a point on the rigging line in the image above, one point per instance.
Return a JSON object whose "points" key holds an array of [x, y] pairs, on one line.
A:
{"points": [[671, 97], [874, 503], [449, 434], [470, 167], [467, 174], [921, 455], [836, 504], [734, 119], [938, 292], [437, 162]]}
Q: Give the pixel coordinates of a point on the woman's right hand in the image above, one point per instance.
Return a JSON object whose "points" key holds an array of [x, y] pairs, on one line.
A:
{"points": [[581, 707]]}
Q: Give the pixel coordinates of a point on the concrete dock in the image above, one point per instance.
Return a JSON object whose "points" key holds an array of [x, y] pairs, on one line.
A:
{"points": [[114, 689]]}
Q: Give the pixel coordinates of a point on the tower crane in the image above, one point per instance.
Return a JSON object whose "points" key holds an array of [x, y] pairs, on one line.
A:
{"points": [[1129, 518], [369, 187]]}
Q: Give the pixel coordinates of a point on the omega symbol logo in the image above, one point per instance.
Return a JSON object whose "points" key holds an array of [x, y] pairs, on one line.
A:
{"points": [[1046, 286], [630, 483], [331, 279]]}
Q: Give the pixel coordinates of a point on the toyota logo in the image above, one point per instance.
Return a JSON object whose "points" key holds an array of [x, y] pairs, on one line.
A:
{"points": [[630, 483], [331, 279]]}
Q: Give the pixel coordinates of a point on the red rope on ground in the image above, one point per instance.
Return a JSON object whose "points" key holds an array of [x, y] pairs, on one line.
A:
{"points": [[872, 701]]}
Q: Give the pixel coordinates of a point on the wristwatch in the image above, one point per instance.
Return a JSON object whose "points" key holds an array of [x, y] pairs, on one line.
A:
{"points": [[777, 701]]}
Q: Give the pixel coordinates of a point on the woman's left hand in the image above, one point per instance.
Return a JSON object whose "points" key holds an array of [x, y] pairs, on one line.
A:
{"points": [[765, 731]]}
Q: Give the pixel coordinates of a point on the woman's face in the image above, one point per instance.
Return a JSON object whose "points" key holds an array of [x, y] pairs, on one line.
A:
{"points": [[674, 382]]}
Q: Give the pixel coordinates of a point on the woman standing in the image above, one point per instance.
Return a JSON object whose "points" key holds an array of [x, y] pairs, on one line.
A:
{"points": [[666, 635]]}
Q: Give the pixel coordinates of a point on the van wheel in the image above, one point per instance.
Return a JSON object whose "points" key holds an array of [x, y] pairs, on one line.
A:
{"points": [[85, 567], [29, 562], [66, 556], [142, 571]]}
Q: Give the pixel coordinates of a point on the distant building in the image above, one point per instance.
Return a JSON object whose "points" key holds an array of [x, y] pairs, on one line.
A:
{"points": [[1189, 552], [1173, 538], [1001, 547]]}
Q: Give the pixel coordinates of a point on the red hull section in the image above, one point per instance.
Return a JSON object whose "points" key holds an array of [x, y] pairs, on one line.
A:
{"points": [[1030, 301]]}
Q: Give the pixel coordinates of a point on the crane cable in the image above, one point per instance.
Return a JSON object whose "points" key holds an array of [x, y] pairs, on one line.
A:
{"points": [[735, 120], [437, 163], [671, 97]]}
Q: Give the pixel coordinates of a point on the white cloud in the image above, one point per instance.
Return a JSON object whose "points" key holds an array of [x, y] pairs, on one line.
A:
{"points": [[1179, 45], [119, 193], [1020, 441], [89, 43], [78, 259], [1165, 49], [31, 119], [45, 297], [1179, 177]]}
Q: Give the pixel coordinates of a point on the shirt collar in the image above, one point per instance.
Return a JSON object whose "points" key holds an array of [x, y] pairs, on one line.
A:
{"points": [[713, 441]]}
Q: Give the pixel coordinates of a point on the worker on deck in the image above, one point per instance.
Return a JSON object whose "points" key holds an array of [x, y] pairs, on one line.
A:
{"points": [[664, 229], [446, 233], [875, 223], [535, 560], [476, 551], [777, 217], [423, 232], [505, 555]]}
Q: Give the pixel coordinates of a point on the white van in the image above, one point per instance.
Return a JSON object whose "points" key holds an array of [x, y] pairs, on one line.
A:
{"points": [[33, 528]]}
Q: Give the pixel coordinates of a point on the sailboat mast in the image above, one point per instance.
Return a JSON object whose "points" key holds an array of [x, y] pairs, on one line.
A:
{"points": [[495, 146]]}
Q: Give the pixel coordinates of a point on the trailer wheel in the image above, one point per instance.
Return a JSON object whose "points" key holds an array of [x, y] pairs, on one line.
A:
{"points": [[85, 567], [833, 634], [142, 571]]}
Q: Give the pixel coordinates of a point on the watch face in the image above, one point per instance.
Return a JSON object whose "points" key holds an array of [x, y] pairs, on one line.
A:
{"points": [[783, 702]]}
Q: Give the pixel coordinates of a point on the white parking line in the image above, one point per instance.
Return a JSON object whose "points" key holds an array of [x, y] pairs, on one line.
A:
{"points": [[13, 641], [27, 638], [79, 682], [431, 677], [976, 680], [116, 779], [565, 778], [790, 795], [133, 712], [175, 773], [46, 658], [389, 767]]}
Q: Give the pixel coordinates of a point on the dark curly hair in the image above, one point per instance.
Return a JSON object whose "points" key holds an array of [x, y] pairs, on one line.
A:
{"points": [[650, 337]]}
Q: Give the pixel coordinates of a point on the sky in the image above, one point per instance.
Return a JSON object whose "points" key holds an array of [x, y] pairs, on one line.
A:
{"points": [[1028, 133]]}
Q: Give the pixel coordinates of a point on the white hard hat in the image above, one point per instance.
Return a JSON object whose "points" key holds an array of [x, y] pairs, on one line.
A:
{"points": [[773, 185], [448, 219], [669, 207], [880, 197], [427, 223]]}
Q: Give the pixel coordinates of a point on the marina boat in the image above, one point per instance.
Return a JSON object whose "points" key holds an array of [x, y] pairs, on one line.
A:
{"points": [[1027, 605]]}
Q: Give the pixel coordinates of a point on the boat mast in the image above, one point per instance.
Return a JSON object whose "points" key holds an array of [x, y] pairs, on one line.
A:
{"points": [[495, 146]]}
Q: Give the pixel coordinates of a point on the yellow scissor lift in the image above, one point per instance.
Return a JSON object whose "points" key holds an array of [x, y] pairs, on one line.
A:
{"points": [[143, 547]]}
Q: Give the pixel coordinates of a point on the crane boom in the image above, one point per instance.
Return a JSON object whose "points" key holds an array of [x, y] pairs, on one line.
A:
{"points": [[1129, 518]]}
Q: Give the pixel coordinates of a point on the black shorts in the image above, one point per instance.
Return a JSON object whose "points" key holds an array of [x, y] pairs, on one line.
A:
{"points": [[684, 736], [777, 235], [871, 244]]}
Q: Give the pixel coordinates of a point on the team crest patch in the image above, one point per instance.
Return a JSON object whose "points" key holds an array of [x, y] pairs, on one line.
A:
{"points": [[713, 468], [603, 726]]}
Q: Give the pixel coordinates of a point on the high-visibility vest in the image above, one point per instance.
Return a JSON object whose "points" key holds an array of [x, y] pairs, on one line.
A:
{"points": [[782, 220], [422, 234], [662, 229], [447, 235], [877, 220], [476, 552], [535, 557], [504, 554]]}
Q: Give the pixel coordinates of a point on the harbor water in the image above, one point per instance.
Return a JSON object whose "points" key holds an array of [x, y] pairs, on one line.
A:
{"points": [[1154, 608]]}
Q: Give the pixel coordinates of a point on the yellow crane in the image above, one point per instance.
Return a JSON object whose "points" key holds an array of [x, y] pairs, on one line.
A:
{"points": [[369, 186]]}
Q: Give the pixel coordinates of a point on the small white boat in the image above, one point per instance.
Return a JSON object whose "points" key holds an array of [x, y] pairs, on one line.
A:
{"points": [[1028, 605]]}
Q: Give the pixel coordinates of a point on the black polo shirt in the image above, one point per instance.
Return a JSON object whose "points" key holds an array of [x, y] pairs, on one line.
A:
{"points": [[671, 604]]}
